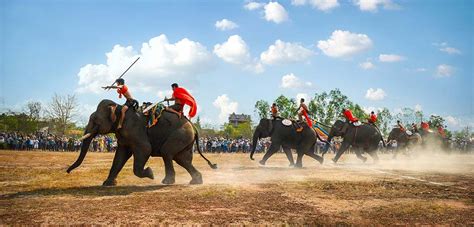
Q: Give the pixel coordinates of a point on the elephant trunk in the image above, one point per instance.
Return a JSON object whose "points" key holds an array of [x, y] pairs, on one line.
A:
{"points": [[84, 148], [256, 136]]}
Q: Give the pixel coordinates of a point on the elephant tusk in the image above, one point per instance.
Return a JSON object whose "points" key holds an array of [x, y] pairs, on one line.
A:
{"points": [[85, 136]]}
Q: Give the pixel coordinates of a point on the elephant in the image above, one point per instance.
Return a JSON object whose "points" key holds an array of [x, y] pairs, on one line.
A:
{"points": [[404, 140], [286, 137], [172, 138], [365, 137]]}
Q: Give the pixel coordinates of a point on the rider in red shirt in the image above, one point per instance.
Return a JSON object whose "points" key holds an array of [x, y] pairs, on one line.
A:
{"points": [[181, 97], [348, 114], [372, 117], [123, 91]]}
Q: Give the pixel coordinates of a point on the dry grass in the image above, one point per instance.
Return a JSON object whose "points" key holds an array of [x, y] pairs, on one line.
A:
{"points": [[35, 189]]}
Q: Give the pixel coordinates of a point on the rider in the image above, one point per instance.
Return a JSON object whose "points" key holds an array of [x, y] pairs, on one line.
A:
{"points": [[349, 118], [400, 126], [303, 112], [181, 97], [414, 128], [372, 118], [122, 90], [441, 132], [274, 111], [425, 126]]}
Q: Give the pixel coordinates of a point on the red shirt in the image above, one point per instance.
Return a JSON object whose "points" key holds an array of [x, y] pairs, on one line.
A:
{"points": [[121, 91], [373, 118], [349, 116], [425, 126]]}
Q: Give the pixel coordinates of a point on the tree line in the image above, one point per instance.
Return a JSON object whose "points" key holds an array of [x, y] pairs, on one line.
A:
{"points": [[56, 116]]}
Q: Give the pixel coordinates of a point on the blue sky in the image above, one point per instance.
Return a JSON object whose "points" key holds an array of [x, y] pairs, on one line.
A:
{"points": [[410, 53]]}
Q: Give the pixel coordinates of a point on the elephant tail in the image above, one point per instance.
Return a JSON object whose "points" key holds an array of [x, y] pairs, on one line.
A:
{"points": [[196, 137]]}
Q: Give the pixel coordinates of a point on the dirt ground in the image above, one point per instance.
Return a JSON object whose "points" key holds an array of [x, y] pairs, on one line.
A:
{"points": [[428, 189]]}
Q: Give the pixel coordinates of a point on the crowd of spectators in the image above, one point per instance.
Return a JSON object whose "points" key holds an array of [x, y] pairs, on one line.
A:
{"points": [[225, 145], [50, 142]]}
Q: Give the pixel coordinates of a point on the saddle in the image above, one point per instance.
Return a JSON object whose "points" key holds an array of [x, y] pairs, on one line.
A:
{"points": [[154, 114]]}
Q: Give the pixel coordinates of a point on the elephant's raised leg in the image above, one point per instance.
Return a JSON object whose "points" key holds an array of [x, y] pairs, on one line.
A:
{"points": [[141, 153], [185, 159], [272, 150], [289, 155], [359, 155], [311, 154], [121, 157], [342, 149]]}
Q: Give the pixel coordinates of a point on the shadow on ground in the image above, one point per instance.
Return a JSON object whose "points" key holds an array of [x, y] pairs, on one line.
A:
{"points": [[96, 191]]}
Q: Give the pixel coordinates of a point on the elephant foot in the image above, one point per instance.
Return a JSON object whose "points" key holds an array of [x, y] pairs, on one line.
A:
{"points": [[262, 162], [168, 180], [299, 165], [334, 160], [196, 180], [292, 165], [320, 160], [364, 159], [109, 183], [149, 173]]}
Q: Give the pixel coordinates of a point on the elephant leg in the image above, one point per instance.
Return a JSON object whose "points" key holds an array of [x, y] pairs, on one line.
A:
{"points": [[359, 155], [141, 154], [289, 155], [299, 158], [121, 157], [185, 159], [169, 171], [271, 150], [342, 149], [311, 154]]}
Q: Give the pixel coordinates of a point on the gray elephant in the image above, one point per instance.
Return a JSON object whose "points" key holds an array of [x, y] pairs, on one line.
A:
{"points": [[171, 138], [286, 137], [404, 141], [365, 137]]}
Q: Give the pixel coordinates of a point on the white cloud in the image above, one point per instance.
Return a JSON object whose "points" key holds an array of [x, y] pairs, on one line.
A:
{"points": [[299, 96], [375, 94], [323, 5], [450, 50], [444, 47], [225, 25], [372, 5], [390, 58], [444, 70], [418, 107], [283, 52], [344, 44], [159, 59], [234, 50], [275, 12], [225, 106], [253, 5], [291, 81], [367, 65], [452, 122]]}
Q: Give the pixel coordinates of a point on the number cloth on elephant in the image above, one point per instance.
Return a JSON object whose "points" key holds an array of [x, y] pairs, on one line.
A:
{"points": [[186, 99]]}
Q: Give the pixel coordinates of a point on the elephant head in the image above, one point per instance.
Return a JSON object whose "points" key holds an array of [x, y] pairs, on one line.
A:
{"points": [[336, 130], [263, 130], [100, 122]]}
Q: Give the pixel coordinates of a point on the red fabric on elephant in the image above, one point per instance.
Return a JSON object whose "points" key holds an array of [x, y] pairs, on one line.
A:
{"points": [[186, 99], [308, 120]]}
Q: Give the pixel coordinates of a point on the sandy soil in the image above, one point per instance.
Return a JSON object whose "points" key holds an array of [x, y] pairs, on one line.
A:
{"points": [[428, 189]]}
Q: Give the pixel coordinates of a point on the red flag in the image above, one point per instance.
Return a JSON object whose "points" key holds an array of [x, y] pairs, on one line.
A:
{"points": [[308, 120], [186, 99]]}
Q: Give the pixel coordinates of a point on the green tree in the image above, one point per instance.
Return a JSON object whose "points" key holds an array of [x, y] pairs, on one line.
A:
{"points": [[436, 121], [384, 121], [198, 123], [407, 116], [286, 107], [262, 108], [327, 107]]}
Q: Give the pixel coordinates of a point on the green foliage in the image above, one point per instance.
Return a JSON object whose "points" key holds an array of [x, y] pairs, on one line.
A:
{"points": [[19, 122], [198, 123], [384, 121], [407, 116], [262, 108], [436, 121], [327, 107], [287, 107], [234, 132]]}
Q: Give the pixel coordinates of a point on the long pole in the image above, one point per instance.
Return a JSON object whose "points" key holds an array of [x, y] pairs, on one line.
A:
{"points": [[125, 71]]}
